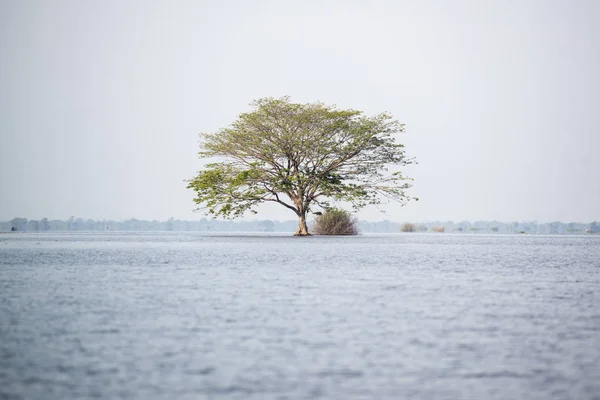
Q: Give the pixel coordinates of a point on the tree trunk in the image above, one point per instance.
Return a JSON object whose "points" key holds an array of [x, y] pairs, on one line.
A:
{"points": [[302, 228]]}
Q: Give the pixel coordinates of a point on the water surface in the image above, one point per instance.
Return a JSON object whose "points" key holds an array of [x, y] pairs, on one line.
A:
{"points": [[191, 316]]}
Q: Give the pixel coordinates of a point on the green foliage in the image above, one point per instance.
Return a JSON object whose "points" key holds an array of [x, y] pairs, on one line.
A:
{"points": [[335, 222], [300, 156]]}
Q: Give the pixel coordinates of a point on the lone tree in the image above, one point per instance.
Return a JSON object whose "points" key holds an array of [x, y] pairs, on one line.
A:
{"points": [[300, 156]]}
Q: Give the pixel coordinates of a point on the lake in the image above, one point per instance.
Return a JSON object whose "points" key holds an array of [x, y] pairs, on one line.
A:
{"points": [[197, 316]]}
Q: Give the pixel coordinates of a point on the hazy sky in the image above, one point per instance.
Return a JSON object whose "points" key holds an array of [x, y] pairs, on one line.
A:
{"points": [[101, 102]]}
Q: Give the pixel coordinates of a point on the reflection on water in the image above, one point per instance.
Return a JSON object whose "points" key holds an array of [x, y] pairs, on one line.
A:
{"points": [[154, 316]]}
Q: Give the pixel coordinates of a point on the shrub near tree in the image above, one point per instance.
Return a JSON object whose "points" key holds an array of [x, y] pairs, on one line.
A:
{"points": [[300, 156], [335, 222], [408, 227]]}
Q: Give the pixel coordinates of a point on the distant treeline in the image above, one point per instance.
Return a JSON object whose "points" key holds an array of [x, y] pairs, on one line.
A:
{"points": [[172, 224], [206, 225], [532, 227]]}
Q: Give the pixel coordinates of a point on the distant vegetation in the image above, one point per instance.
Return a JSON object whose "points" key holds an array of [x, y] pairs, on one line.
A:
{"points": [[335, 222], [408, 227], [133, 224], [212, 225], [550, 228]]}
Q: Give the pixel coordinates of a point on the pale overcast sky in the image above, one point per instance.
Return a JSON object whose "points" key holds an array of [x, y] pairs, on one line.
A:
{"points": [[101, 102]]}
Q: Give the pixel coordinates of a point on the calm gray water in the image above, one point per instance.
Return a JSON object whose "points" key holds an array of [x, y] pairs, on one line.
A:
{"points": [[187, 316]]}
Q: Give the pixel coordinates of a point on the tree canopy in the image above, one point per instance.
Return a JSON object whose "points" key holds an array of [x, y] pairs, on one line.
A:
{"points": [[300, 156]]}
